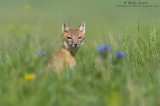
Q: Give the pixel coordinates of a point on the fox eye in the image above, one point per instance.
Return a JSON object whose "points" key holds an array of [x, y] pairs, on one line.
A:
{"points": [[69, 37], [79, 37]]}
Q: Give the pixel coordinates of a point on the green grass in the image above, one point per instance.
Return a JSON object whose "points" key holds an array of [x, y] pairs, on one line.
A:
{"points": [[132, 81]]}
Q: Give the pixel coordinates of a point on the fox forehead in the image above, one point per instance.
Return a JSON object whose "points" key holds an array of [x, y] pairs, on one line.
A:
{"points": [[74, 33]]}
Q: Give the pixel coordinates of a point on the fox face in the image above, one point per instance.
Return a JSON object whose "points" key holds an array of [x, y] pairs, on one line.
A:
{"points": [[73, 39]]}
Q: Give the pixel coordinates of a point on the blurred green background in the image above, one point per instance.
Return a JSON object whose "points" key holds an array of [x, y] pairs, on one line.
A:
{"points": [[44, 18], [50, 14]]}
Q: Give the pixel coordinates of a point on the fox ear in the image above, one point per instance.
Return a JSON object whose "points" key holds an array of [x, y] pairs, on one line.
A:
{"points": [[82, 27], [65, 27]]}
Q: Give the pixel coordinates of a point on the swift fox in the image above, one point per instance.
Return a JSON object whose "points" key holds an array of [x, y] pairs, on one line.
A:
{"points": [[72, 41]]}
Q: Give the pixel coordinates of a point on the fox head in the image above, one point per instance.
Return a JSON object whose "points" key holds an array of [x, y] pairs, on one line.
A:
{"points": [[73, 39]]}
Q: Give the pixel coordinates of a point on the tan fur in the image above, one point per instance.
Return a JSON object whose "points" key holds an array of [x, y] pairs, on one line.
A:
{"points": [[72, 41]]}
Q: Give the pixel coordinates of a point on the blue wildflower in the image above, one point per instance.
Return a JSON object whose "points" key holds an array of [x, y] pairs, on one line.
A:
{"points": [[120, 54], [103, 47], [103, 51], [41, 53]]}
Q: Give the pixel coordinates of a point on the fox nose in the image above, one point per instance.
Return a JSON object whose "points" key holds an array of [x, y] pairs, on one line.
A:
{"points": [[75, 44]]}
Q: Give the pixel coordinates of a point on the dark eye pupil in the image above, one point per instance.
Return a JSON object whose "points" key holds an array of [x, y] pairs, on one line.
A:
{"points": [[69, 38], [79, 37]]}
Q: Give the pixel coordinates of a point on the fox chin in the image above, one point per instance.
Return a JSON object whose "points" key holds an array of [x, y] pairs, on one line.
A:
{"points": [[72, 41]]}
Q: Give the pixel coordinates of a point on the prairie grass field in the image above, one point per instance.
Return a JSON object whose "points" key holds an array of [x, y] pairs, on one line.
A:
{"points": [[28, 26]]}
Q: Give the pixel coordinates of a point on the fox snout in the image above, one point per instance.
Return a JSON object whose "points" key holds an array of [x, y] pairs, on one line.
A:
{"points": [[75, 45]]}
